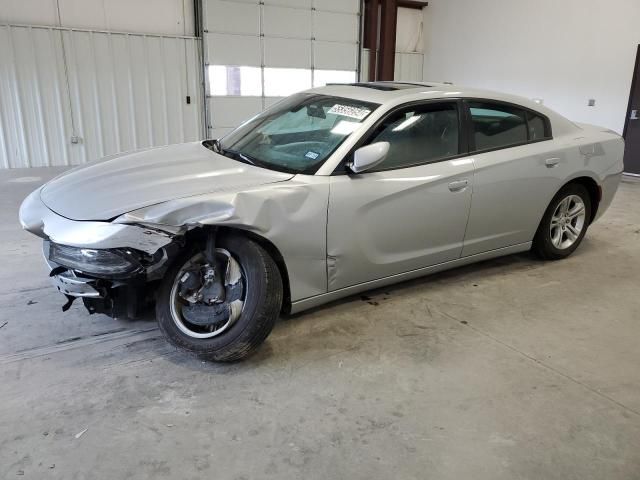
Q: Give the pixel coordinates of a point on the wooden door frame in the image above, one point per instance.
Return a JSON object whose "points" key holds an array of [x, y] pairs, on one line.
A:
{"points": [[381, 67]]}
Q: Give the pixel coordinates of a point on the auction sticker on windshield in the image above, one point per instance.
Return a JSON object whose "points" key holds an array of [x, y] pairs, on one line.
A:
{"points": [[349, 111]]}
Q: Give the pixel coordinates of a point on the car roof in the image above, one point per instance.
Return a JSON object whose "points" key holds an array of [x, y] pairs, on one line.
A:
{"points": [[396, 92]]}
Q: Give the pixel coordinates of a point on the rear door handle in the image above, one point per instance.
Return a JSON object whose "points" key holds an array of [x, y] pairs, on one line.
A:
{"points": [[458, 185], [551, 162]]}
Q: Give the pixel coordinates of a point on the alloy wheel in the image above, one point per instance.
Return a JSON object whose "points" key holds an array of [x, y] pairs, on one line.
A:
{"points": [[567, 222], [203, 306]]}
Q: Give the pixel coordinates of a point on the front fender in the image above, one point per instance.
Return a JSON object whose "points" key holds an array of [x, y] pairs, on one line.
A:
{"points": [[292, 215]]}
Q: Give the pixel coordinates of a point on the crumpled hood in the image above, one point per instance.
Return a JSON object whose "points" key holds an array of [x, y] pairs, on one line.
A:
{"points": [[109, 187]]}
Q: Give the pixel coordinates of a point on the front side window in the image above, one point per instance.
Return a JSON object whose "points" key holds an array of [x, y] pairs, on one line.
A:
{"points": [[419, 134], [297, 134], [497, 126]]}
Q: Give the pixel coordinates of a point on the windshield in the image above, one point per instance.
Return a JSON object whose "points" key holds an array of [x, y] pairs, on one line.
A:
{"points": [[297, 134]]}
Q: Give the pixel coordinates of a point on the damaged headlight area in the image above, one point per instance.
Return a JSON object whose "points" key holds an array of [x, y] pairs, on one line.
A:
{"points": [[106, 263]]}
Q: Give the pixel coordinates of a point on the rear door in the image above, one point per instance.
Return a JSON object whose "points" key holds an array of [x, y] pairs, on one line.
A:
{"points": [[410, 211], [515, 174]]}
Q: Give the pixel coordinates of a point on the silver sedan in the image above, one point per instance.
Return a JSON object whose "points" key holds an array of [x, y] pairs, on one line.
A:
{"points": [[330, 192]]}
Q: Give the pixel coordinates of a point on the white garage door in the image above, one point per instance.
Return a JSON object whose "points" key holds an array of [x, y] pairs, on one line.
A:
{"points": [[259, 52]]}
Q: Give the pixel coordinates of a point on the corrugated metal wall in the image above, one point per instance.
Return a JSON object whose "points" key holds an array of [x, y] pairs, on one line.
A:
{"points": [[111, 92]]}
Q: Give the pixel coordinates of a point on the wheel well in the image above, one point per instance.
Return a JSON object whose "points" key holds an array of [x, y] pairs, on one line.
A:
{"points": [[594, 193], [197, 234]]}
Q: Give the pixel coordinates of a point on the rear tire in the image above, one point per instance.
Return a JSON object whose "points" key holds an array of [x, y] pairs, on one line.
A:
{"points": [[262, 303], [564, 223]]}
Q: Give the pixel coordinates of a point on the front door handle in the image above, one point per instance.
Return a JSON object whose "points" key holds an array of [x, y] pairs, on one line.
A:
{"points": [[458, 185], [551, 162], [634, 115]]}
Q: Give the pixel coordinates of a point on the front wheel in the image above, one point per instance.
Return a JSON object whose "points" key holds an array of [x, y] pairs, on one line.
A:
{"points": [[564, 224], [222, 311]]}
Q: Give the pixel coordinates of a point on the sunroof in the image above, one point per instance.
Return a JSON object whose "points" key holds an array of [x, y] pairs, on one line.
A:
{"points": [[387, 86]]}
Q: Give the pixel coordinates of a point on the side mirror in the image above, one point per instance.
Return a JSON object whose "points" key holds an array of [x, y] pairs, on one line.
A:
{"points": [[368, 156]]}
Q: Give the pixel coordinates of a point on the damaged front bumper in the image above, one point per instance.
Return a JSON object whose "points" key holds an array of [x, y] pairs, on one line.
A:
{"points": [[73, 286], [36, 218], [100, 293], [69, 284]]}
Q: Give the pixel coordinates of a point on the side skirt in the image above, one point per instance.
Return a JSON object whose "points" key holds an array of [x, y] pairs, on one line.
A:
{"points": [[317, 300]]}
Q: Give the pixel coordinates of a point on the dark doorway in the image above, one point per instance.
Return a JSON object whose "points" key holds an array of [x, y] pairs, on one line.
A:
{"points": [[632, 124]]}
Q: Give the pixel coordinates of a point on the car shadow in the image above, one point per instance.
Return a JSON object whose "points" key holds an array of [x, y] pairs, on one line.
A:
{"points": [[271, 354], [513, 263]]}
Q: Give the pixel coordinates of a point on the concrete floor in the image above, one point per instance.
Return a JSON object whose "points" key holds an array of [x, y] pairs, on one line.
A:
{"points": [[509, 369]]}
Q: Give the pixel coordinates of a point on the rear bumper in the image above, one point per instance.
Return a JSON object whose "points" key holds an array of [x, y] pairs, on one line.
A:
{"points": [[609, 187]]}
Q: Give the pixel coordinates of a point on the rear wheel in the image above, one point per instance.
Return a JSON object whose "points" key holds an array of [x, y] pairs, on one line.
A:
{"points": [[222, 311], [564, 224]]}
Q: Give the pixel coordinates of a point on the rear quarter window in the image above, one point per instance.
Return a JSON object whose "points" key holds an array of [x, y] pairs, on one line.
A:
{"points": [[538, 127]]}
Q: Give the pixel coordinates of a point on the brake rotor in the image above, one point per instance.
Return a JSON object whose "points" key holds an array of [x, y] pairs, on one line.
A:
{"points": [[213, 303]]}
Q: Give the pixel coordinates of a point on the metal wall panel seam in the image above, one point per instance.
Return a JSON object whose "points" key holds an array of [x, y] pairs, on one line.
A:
{"points": [[77, 94], [284, 37], [199, 113], [18, 103], [148, 85], [89, 30], [96, 97], [114, 96], [182, 81], [132, 105], [295, 7], [163, 89], [40, 111], [7, 114], [3, 130], [65, 65], [57, 41], [3, 142], [220, 32]]}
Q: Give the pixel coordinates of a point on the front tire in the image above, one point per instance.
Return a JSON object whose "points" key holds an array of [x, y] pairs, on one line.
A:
{"points": [[261, 302], [564, 223]]}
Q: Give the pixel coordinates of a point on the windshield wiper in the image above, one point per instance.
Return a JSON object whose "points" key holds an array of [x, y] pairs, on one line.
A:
{"points": [[239, 156]]}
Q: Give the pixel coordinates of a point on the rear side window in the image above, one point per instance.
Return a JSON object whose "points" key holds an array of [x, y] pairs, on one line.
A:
{"points": [[538, 129], [419, 134], [497, 126]]}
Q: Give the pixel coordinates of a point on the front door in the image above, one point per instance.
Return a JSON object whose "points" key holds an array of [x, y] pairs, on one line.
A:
{"points": [[632, 124], [410, 211]]}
